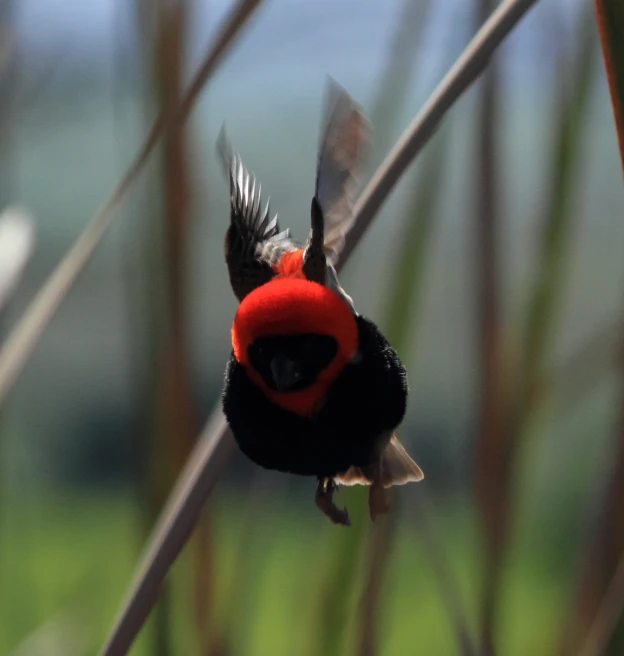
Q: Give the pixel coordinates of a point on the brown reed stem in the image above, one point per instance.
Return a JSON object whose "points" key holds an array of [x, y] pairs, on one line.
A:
{"points": [[610, 20], [487, 286]]}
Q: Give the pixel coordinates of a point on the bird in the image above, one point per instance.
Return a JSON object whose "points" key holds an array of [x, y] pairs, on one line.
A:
{"points": [[312, 387]]}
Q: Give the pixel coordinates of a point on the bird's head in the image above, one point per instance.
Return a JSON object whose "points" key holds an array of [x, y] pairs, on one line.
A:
{"points": [[294, 337]]}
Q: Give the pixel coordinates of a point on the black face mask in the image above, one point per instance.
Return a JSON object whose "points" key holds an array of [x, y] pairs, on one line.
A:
{"points": [[288, 363]]}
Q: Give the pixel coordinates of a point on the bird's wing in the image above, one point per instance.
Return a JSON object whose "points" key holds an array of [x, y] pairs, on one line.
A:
{"points": [[253, 242], [344, 135]]}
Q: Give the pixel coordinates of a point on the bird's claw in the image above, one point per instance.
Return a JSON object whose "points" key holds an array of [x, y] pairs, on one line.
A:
{"points": [[324, 500]]}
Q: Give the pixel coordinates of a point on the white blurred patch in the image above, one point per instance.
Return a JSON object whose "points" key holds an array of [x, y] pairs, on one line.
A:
{"points": [[62, 635], [17, 235]]}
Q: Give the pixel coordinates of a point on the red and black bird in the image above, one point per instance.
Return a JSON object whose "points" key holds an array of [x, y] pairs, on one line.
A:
{"points": [[312, 387]]}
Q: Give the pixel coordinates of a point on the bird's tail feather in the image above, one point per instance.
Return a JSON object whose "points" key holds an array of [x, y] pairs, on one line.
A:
{"points": [[397, 468]]}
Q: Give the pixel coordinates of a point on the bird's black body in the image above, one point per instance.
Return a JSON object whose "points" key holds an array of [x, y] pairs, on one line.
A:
{"points": [[312, 387], [364, 405]]}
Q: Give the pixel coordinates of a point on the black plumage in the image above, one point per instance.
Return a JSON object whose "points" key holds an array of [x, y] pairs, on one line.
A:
{"points": [[253, 241], [365, 404]]}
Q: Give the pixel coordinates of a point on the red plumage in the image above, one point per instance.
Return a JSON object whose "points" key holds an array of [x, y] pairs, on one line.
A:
{"points": [[290, 306]]}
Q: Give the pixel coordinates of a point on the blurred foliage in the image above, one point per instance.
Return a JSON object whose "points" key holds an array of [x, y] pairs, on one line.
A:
{"points": [[512, 416], [597, 617], [406, 285], [51, 567]]}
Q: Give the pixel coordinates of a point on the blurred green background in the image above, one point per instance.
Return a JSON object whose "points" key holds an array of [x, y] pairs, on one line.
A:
{"points": [[495, 268]]}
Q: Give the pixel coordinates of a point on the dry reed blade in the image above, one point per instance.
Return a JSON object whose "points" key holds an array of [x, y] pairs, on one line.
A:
{"points": [[610, 20], [449, 590], [344, 564], [405, 288], [8, 106], [589, 362], [380, 549], [167, 425], [492, 402], [266, 493], [211, 453], [570, 114], [404, 292], [596, 620], [599, 602], [390, 97], [176, 416], [608, 616], [23, 338]]}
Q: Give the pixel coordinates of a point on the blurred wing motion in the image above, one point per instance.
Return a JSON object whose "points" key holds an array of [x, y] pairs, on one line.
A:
{"points": [[344, 135], [16, 244], [397, 468], [253, 241]]}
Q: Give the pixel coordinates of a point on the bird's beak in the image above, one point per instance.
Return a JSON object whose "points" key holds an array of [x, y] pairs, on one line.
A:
{"points": [[285, 372]]}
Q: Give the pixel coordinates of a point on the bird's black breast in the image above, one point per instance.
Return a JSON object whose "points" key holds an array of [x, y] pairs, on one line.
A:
{"points": [[365, 403]]}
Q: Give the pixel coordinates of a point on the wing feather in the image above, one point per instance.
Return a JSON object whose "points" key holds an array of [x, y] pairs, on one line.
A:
{"points": [[252, 231], [344, 135]]}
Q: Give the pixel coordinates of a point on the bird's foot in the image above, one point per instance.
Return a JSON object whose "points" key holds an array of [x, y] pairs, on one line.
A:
{"points": [[324, 500]]}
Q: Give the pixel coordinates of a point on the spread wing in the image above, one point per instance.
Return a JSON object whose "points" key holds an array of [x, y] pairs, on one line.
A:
{"points": [[253, 242], [343, 138]]}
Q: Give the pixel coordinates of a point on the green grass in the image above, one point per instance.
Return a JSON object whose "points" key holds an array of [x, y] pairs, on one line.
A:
{"points": [[76, 554], [60, 553]]}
